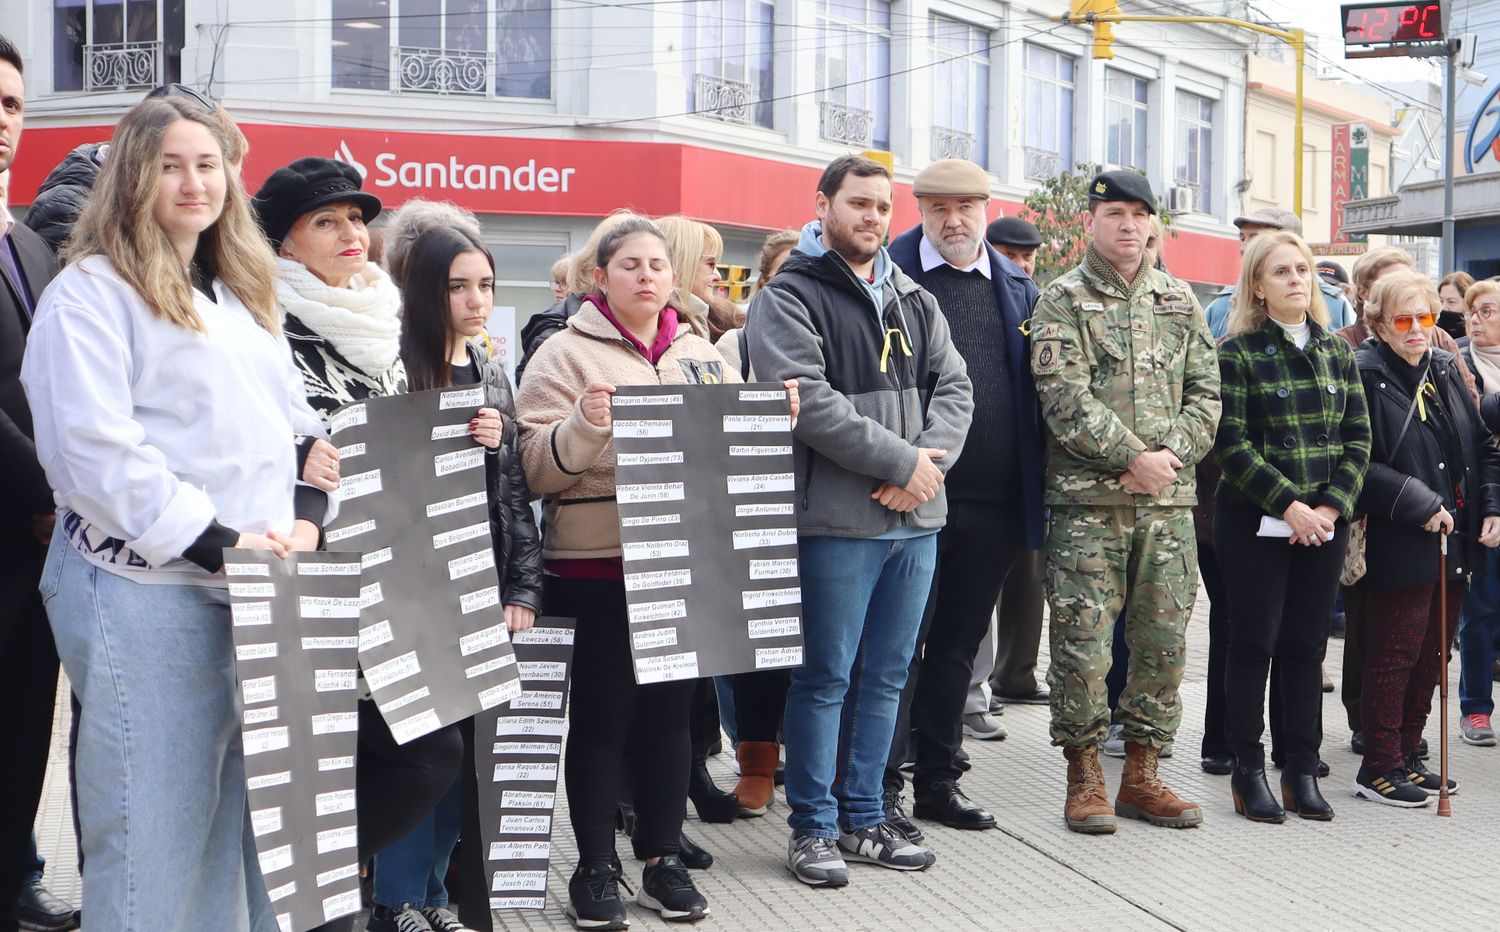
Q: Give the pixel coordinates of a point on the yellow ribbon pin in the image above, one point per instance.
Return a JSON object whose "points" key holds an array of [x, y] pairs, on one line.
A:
{"points": [[885, 352]]}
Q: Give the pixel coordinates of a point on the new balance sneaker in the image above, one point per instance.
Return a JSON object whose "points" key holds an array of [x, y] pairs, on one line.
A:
{"points": [[1425, 779], [1114, 741], [594, 897], [887, 846], [980, 725], [667, 887], [405, 919], [816, 862], [442, 920], [895, 814], [1476, 730], [1392, 789]]}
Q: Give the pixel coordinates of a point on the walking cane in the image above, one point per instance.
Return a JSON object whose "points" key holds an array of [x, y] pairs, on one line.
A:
{"points": [[1444, 807]]}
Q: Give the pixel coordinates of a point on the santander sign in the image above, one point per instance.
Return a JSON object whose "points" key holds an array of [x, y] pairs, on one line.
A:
{"points": [[391, 171]]}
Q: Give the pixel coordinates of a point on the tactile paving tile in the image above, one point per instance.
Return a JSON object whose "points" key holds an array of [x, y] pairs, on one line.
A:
{"points": [[1372, 867]]}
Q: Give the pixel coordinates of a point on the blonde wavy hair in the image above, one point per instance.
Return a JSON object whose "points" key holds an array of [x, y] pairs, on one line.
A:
{"points": [[1246, 311], [1391, 293], [118, 223]]}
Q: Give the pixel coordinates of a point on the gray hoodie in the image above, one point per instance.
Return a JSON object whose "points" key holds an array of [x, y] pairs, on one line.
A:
{"points": [[878, 377]]}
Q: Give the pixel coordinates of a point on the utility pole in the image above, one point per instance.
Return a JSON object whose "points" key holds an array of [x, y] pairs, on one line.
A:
{"points": [[1101, 14], [1446, 254]]}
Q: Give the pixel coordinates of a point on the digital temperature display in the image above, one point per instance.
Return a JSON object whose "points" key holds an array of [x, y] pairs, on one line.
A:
{"points": [[1392, 23]]}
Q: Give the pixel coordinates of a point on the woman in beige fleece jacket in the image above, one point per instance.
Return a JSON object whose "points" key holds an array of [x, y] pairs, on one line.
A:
{"points": [[625, 334]]}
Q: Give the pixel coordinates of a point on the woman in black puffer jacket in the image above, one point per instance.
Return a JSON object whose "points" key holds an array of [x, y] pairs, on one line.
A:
{"points": [[1432, 471]]}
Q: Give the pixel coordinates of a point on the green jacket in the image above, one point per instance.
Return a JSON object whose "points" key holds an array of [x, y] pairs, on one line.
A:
{"points": [[1121, 369]]}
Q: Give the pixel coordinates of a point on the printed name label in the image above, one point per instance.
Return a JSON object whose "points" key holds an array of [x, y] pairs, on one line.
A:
{"points": [[756, 423], [519, 880], [261, 740], [648, 459], [266, 781], [760, 482], [505, 692], [477, 562], [773, 569], [765, 537], [760, 451], [375, 635], [415, 726], [525, 771], [322, 606], [657, 611], [489, 666], [353, 530], [449, 538], [527, 725], [353, 449], [766, 395], [626, 401], [401, 702], [492, 636], [474, 601], [543, 635], [374, 558], [654, 638], [775, 627], [330, 643], [545, 671], [393, 671], [683, 666], [449, 431], [640, 429], [520, 851], [525, 824], [328, 569], [255, 651], [767, 598], [264, 822], [649, 492], [466, 398], [650, 520], [260, 716], [250, 613], [242, 590], [527, 747], [654, 549], [658, 579], [359, 485], [334, 722], [536, 699], [246, 569], [352, 416], [259, 689], [766, 657], [332, 681], [338, 873], [456, 504], [276, 859], [345, 762], [337, 839], [522, 799], [336, 801], [446, 464]]}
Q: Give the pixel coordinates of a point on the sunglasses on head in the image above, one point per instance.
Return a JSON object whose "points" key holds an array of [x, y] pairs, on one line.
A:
{"points": [[1406, 321]]}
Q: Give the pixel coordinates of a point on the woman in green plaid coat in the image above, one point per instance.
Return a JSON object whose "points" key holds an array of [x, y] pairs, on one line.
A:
{"points": [[1293, 443]]}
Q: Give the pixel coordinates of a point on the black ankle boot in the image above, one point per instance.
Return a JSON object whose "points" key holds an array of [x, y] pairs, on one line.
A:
{"points": [[712, 803], [1252, 797], [1300, 794]]}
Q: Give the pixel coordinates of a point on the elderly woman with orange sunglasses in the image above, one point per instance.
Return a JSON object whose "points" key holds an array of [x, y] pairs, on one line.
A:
{"points": [[1432, 472]]}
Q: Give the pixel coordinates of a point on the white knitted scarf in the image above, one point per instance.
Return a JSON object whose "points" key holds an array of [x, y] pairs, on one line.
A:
{"points": [[362, 322]]}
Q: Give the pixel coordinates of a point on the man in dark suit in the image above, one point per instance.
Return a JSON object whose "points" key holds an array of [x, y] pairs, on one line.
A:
{"points": [[994, 490], [28, 657]]}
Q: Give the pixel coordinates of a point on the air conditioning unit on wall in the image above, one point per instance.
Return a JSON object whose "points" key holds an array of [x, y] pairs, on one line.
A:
{"points": [[1183, 199]]}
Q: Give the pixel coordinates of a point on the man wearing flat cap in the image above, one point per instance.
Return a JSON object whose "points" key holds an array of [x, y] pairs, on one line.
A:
{"points": [[1251, 225], [994, 491], [1129, 387], [1017, 240]]}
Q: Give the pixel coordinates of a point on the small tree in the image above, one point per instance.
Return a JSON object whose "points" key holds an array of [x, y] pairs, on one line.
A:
{"points": [[1056, 207]]}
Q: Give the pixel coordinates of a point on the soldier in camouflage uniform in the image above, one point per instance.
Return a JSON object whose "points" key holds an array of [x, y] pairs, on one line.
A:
{"points": [[1129, 387]]}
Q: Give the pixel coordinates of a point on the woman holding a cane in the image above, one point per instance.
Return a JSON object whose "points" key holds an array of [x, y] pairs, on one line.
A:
{"points": [[1431, 472]]}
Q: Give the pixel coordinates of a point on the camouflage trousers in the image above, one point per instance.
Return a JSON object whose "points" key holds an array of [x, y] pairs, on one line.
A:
{"points": [[1102, 560]]}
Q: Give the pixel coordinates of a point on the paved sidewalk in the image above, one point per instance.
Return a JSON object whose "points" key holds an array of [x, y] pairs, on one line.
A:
{"points": [[1372, 867]]}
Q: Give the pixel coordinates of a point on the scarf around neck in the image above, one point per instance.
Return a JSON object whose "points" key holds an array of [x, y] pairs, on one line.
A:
{"points": [[1486, 365], [361, 322], [1110, 274]]}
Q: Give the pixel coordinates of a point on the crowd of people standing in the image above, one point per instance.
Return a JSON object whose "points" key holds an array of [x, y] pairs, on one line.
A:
{"points": [[966, 441]]}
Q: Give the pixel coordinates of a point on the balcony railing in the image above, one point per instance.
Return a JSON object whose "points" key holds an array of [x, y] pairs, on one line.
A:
{"points": [[122, 66], [953, 143], [842, 123], [723, 99], [436, 71], [1042, 164]]}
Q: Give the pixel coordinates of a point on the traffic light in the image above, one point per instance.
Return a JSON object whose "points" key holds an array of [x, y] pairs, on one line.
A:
{"points": [[735, 282], [1081, 11]]}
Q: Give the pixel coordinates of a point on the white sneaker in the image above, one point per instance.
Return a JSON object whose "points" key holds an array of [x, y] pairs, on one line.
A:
{"points": [[980, 725], [1114, 742]]}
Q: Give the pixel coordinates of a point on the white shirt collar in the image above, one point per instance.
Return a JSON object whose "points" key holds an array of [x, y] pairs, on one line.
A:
{"points": [[931, 259], [7, 222]]}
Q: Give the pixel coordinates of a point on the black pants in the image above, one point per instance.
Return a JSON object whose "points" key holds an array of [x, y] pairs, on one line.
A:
{"points": [[703, 719], [759, 704], [607, 713], [1280, 605], [1353, 676], [1214, 743], [1018, 627], [28, 668], [975, 553]]}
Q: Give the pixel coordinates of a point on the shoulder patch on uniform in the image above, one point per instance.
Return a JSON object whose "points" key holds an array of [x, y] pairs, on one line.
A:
{"points": [[1046, 356], [1172, 297], [1091, 305], [1050, 330]]}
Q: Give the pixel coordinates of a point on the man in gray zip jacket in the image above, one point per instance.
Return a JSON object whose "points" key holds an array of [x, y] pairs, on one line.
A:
{"points": [[886, 404]]}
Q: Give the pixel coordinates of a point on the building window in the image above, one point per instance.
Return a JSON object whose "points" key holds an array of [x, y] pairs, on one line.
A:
{"points": [[854, 71], [1049, 79], [1124, 120], [960, 90], [1195, 146], [729, 59], [110, 45], [444, 47]]}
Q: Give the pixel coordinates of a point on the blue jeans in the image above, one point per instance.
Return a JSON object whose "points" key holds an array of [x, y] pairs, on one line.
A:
{"points": [[1478, 625], [862, 604], [161, 789], [411, 870]]}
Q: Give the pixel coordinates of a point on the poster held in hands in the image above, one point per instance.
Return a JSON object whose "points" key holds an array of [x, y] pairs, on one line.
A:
{"points": [[432, 636], [517, 756], [708, 529], [296, 644]]}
